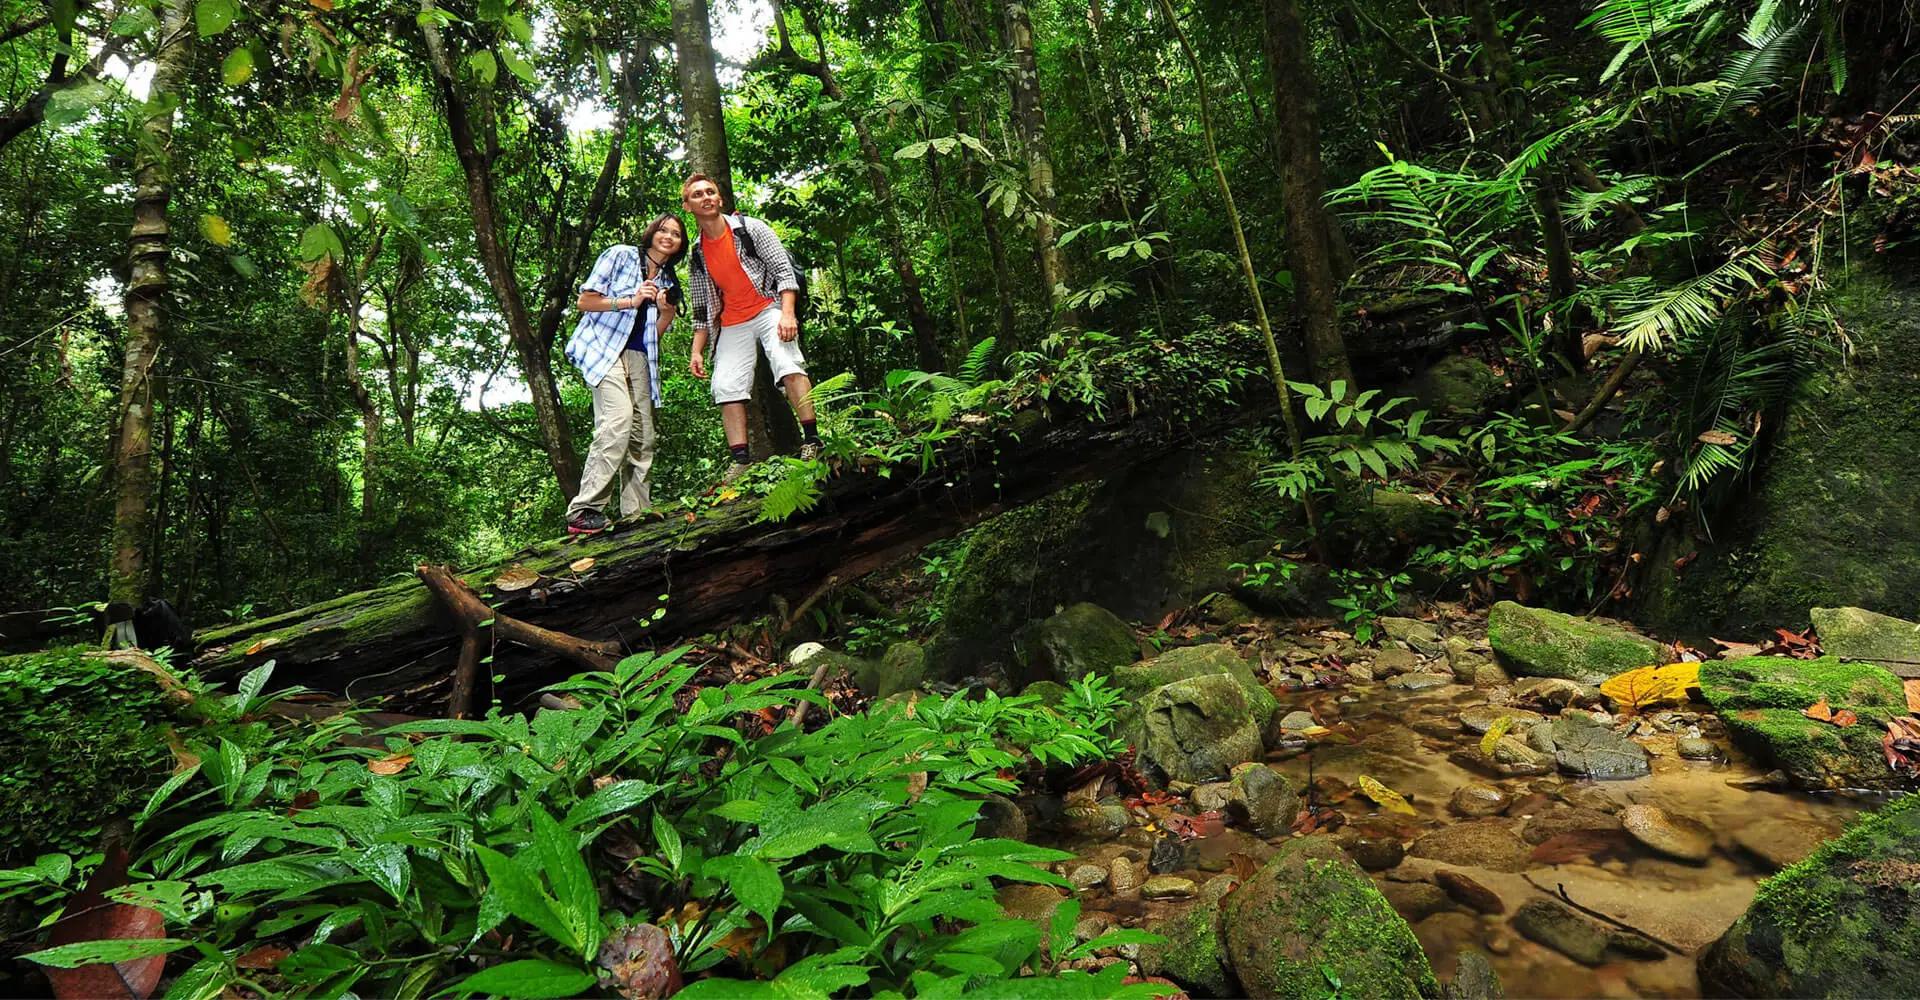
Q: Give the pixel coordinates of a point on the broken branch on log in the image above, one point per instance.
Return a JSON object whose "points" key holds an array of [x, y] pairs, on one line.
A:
{"points": [[472, 614]]}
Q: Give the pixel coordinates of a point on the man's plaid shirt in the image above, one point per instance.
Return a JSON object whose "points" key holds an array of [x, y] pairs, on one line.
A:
{"points": [[769, 267], [599, 337]]}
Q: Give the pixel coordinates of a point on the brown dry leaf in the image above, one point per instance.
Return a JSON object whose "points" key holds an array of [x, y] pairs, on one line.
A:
{"points": [[1242, 866], [642, 964], [581, 565], [1913, 695], [1819, 710], [1579, 845], [390, 765], [263, 644], [264, 957], [916, 785], [1844, 718], [1735, 650], [322, 4], [1716, 437], [515, 579]]}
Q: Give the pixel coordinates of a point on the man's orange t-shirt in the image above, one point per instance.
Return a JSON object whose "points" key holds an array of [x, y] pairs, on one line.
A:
{"points": [[739, 300]]}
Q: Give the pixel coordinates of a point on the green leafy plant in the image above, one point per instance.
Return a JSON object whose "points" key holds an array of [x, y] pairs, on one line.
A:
{"points": [[1362, 438], [1365, 595]]}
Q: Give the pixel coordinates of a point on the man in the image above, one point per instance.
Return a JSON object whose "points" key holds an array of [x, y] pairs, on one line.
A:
{"points": [[744, 291], [625, 304]]}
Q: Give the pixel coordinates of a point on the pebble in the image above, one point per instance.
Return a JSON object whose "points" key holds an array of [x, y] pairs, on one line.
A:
{"points": [[1481, 718], [1561, 929], [1122, 876], [1359, 672], [1484, 843], [1415, 901], [1420, 681], [1086, 876], [1373, 853], [1092, 926], [1467, 892], [1211, 797], [1392, 660], [1480, 800], [1296, 721], [1694, 748], [1168, 887], [1673, 836], [1515, 757]]}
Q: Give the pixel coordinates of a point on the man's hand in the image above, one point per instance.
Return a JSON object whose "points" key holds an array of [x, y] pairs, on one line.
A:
{"points": [[697, 364], [789, 326]]}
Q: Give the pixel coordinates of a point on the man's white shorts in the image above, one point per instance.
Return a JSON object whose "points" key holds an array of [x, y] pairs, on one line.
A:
{"points": [[733, 355]]}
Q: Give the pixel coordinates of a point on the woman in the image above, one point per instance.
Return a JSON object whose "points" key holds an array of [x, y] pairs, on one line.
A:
{"points": [[625, 305]]}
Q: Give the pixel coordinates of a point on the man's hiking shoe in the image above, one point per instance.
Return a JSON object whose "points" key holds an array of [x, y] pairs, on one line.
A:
{"points": [[733, 473], [810, 452], [588, 522]]}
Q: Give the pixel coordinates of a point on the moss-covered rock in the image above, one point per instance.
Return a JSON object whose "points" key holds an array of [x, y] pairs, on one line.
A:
{"points": [[1194, 955], [1195, 729], [1082, 639], [1536, 642], [1050, 693], [1311, 924], [1829, 520], [1859, 634], [1137, 679], [1760, 698], [903, 668], [1843, 923], [84, 738], [1457, 386]]}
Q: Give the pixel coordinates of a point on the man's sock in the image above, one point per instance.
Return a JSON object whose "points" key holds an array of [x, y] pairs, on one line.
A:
{"points": [[740, 453], [809, 432]]}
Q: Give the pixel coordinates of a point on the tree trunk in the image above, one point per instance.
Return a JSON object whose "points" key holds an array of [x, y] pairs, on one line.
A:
{"points": [[362, 396], [770, 424], [1303, 185], [975, 180], [926, 334], [1030, 120], [535, 357], [726, 565], [146, 310]]}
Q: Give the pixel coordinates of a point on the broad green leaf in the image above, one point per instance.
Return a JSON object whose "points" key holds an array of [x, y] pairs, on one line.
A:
{"points": [[667, 840], [73, 956], [135, 22], [527, 979], [212, 17], [519, 27], [741, 810], [579, 902], [757, 886], [203, 980], [519, 66], [615, 798], [320, 241], [485, 68], [237, 68], [71, 104], [520, 895], [386, 866]]}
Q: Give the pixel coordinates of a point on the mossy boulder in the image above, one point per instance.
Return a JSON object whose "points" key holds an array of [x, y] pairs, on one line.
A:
{"points": [[1195, 729], [1194, 956], [1310, 924], [1457, 386], [1859, 634], [84, 737], [1829, 518], [1536, 642], [1082, 639], [1761, 698], [1050, 693], [903, 668], [1137, 679], [868, 675], [1845, 922]]}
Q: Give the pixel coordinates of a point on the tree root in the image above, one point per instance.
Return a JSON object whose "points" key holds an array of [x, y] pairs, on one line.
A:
{"points": [[471, 615]]}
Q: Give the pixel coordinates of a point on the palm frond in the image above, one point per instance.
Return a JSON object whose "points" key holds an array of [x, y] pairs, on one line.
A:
{"points": [[1632, 25], [1583, 208], [1669, 313], [1751, 72]]}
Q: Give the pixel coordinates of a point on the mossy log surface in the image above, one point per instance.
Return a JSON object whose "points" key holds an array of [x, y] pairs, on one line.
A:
{"points": [[721, 565]]}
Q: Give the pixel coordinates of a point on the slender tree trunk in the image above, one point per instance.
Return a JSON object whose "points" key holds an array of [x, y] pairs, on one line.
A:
{"points": [[1030, 120], [363, 398], [146, 310], [926, 333], [1303, 184], [770, 424], [975, 180], [535, 357]]}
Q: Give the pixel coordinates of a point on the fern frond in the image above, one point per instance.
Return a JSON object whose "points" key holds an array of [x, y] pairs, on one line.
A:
{"points": [[1753, 71], [973, 370], [1583, 208], [797, 493], [1690, 306], [833, 389], [1632, 25]]}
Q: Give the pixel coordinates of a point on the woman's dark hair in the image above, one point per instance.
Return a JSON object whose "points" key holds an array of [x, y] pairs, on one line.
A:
{"points": [[646, 244]]}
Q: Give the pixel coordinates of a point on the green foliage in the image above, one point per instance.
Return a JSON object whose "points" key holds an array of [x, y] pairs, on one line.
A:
{"points": [[1364, 439], [1365, 595], [407, 869], [85, 736]]}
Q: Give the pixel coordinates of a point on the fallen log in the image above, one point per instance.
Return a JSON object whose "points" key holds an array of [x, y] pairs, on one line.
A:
{"points": [[668, 578]]}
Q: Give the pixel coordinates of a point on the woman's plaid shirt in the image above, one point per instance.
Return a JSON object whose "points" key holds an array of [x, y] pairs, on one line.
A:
{"points": [[769, 267], [599, 337]]}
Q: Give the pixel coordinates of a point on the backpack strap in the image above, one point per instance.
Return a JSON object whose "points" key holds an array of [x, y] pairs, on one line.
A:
{"points": [[743, 237]]}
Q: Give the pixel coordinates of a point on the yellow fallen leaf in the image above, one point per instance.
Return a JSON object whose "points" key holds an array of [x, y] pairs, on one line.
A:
{"points": [[1648, 686], [1386, 798], [263, 644], [729, 495], [581, 565], [516, 578], [1499, 728]]}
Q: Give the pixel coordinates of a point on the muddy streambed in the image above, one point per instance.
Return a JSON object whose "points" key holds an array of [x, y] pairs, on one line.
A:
{"points": [[1477, 870]]}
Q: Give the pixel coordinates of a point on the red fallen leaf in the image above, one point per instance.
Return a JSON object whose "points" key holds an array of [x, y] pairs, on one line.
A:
{"points": [[96, 918], [304, 800], [1154, 797], [1819, 711], [1687, 560], [1317, 820], [1844, 718], [1902, 743], [642, 963], [1207, 824], [1580, 845], [1174, 991], [1242, 866]]}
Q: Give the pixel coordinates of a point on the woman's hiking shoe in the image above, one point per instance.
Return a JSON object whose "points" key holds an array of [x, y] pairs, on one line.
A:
{"points": [[733, 473], [810, 452], [588, 522]]}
